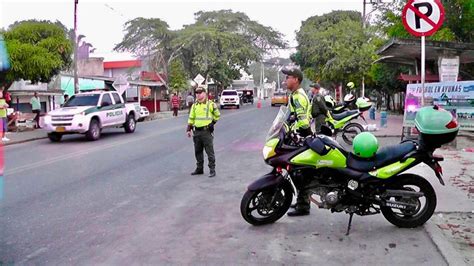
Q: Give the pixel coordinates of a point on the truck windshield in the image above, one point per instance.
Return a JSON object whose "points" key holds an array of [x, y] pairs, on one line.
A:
{"points": [[83, 100], [229, 93]]}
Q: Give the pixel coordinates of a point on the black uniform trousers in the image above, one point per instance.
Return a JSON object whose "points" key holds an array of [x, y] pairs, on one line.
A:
{"points": [[204, 140]]}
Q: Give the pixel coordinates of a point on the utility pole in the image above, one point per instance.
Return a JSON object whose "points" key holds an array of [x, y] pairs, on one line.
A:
{"points": [[363, 27], [76, 80]]}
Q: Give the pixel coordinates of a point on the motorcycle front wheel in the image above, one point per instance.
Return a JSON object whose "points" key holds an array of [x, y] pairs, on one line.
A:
{"points": [[425, 205], [267, 205], [350, 132]]}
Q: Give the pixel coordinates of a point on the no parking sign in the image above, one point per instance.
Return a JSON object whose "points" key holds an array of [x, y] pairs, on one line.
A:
{"points": [[423, 17]]}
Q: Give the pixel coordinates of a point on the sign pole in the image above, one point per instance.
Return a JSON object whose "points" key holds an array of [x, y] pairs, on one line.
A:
{"points": [[422, 71]]}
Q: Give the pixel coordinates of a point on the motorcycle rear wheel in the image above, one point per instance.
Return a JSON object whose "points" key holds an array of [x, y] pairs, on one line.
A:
{"points": [[350, 131], [417, 217], [266, 206]]}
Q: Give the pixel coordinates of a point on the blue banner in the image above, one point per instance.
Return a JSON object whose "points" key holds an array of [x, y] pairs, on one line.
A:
{"points": [[457, 97]]}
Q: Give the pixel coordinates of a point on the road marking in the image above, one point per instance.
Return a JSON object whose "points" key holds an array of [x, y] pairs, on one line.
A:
{"points": [[97, 148]]}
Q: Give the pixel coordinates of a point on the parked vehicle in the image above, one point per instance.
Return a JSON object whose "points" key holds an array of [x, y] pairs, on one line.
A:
{"points": [[229, 98], [89, 113], [366, 181], [280, 98], [341, 122], [144, 113], [247, 96]]}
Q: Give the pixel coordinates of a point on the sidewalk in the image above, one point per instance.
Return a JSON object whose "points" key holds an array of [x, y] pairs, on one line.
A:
{"points": [[393, 128], [36, 134]]}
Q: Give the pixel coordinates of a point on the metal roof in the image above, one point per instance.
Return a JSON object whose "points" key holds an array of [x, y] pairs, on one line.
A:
{"points": [[405, 51]]}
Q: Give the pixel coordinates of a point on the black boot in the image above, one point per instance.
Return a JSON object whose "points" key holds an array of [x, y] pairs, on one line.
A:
{"points": [[198, 172], [298, 212], [212, 173]]}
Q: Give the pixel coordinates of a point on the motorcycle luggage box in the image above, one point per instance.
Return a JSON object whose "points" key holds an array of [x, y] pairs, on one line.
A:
{"points": [[436, 125]]}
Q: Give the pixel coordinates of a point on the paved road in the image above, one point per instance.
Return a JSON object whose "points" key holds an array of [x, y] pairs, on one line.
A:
{"points": [[129, 199]]}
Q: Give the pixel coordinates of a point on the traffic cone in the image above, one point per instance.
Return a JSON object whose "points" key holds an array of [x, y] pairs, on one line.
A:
{"points": [[259, 104]]}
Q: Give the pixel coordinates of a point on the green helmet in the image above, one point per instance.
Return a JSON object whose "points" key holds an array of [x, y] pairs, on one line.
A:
{"points": [[365, 145], [351, 85]]}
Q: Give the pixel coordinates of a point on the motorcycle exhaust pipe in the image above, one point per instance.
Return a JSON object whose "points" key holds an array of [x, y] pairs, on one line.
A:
{"points": [[399, 205], [402, 193]]}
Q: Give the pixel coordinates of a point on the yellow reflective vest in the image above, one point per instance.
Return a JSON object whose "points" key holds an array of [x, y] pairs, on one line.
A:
{"points": [[301, 107], [202, 114]]}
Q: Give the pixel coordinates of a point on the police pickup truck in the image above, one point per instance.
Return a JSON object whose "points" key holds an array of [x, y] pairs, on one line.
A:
{"points": [[88, 113]]}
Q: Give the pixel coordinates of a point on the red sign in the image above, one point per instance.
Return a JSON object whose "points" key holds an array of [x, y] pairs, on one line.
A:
{"points": [[423, 17]]}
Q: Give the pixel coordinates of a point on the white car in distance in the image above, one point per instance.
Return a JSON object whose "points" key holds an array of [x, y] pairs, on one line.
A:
{"points": [[229, 98]]}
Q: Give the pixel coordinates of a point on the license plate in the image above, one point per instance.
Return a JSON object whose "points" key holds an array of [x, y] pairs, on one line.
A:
{"points": [[60, 129]]}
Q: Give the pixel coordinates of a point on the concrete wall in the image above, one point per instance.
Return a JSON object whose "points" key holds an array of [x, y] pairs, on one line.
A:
{"points": [[93, 66]]}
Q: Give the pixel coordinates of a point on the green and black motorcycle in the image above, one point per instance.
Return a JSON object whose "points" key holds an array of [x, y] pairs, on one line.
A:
{"points": [[366, 182], [343, 122]]}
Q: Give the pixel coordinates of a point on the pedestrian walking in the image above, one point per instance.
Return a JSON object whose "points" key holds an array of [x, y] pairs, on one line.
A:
{"points": [[319, 110], [189, 101], [203, 116], [36, 108], [3, 116], [175, 104], [300, 108]]}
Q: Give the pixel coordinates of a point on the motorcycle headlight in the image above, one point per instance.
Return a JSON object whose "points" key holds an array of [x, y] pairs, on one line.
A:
{"points": [[269, 148], [267, 152]]}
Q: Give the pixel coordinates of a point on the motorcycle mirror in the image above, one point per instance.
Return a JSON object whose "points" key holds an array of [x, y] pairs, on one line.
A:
{"points": [[325, 130]]}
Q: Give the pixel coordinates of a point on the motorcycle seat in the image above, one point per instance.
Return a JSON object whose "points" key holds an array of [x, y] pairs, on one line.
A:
{"points": [[385, 156], [344, 114]]}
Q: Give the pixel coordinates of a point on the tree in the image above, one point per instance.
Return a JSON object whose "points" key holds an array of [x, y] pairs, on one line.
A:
{"points": [[334, 47], [218, 45], [177, 76], [38, 51]]}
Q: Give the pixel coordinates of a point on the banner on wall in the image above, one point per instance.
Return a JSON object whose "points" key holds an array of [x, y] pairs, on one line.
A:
{"points": [[457, 97]]}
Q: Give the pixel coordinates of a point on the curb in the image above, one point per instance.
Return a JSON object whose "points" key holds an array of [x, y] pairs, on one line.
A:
{"points": [[23, 141], [450, 255]]}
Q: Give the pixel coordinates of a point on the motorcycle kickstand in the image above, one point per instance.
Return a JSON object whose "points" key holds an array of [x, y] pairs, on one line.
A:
{"points": [[350, 222]]}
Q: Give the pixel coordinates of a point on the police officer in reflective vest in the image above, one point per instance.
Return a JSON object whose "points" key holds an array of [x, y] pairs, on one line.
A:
{"points": [[300, 107], [203, 115]]}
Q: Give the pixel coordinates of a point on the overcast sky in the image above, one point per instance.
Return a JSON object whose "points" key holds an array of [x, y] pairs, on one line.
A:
{"points": [[102, 21]]}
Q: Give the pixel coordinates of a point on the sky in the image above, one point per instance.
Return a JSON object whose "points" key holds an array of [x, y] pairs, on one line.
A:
{"points": [[102, 22]]}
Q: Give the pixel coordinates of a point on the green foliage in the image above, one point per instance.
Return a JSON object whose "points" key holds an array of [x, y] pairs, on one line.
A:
{"points": [[144, 36], [218, 45], [177, 76], [334, 47], [38, 50]]}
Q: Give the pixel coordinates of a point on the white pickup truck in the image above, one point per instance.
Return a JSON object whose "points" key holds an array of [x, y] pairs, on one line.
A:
{"points": [[88, 113]]}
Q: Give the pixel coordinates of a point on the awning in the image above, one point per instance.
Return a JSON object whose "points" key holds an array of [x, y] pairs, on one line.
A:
{"points": [[406, 51], [146, 83], [31, 93]]}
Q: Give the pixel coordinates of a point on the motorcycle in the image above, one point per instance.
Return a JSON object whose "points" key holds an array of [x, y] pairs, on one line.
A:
{"points": [[348, 104], [342, 182], [341, 122]]}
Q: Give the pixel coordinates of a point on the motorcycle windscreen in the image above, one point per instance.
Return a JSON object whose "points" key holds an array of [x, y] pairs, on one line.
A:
{"points": [[278, 122]]}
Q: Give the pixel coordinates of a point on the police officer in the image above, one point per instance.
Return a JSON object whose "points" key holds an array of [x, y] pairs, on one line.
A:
{"points": [[319, 110], [301, 108], [203, 115], [299, 103]]}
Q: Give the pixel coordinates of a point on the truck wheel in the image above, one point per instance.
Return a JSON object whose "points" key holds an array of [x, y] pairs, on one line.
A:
{"points": [[55, 137], [94, 130], [130, 124]]}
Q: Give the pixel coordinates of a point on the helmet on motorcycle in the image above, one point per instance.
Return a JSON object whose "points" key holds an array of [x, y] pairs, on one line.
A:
{"points": [[349, 98], [365, 145], [329, 101], [350, 85]]}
